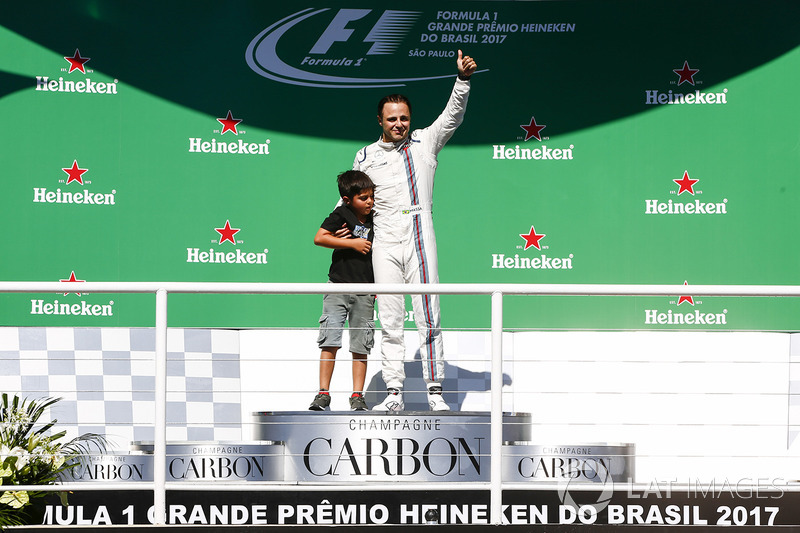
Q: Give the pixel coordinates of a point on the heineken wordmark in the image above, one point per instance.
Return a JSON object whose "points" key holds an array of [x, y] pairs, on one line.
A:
{"points": [[44, 83], [41, 194], [652, 207]]}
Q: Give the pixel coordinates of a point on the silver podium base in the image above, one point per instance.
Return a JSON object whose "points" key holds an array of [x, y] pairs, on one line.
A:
{"points": [[368, 446], [362, 447]]}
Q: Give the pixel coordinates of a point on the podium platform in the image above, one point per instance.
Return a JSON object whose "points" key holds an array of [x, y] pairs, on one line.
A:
{"points": [[377, 446], [363, 447], [447, 446]]}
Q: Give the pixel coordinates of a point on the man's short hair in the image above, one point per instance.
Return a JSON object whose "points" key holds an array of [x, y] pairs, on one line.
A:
{"points": [[393, 99], [352, 182]]}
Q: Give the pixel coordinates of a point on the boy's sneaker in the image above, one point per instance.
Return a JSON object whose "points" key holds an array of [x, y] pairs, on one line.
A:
{"points": [[392, 403], [435, 400], [357, 402], [321, 402]]}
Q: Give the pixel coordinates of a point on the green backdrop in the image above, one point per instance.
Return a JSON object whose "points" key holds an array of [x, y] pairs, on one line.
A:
{"points": [[130, 92]]}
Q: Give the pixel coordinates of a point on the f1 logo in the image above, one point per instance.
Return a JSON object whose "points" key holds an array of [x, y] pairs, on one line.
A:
{"points": [[385, 35]]}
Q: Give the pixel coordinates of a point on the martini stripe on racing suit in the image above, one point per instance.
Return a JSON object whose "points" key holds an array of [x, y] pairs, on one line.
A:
{"points": [[428, 344]]}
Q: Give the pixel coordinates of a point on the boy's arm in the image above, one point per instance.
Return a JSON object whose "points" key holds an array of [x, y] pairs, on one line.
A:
{"points": [[327, 239]]}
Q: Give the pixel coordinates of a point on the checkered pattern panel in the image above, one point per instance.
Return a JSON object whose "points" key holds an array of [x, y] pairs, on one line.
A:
{"points": [[106, 379]]}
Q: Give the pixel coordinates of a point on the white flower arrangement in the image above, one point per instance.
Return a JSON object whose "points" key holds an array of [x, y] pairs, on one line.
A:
{"points": [[32, 454]]}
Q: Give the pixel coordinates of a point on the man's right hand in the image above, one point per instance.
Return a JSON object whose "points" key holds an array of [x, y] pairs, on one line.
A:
{"points": [[342, 233], [466, 66]]}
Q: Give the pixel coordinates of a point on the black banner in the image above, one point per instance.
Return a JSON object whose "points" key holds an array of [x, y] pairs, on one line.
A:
{"points": [[705, 507]]}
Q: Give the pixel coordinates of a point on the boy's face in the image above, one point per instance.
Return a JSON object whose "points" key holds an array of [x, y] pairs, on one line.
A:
{"points": [[362, 202], [395, 122]]}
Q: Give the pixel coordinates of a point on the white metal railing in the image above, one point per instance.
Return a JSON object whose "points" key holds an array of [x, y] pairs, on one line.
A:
{"points": [[496, 291]]}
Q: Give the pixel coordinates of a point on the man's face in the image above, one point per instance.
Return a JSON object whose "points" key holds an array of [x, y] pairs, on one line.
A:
{"points": [[395, 122]]}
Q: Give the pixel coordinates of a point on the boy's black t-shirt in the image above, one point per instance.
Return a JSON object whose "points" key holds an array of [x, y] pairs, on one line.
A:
{"points": [[349, 266]]}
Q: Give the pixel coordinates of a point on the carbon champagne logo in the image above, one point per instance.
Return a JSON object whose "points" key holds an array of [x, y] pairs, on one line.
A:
{"points": [[543, 152], [685, 74], [532, 261], [230, 125], [56, 307], [222, 254], [439, 457], [70, 194], [686, 184], [77, 63], [690, 314]]}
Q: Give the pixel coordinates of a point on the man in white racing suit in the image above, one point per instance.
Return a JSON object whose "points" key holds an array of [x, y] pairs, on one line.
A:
{"points": [[403, 166]]}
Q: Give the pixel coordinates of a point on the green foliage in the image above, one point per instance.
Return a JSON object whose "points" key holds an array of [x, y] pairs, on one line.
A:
{"points": [[33, 453]]}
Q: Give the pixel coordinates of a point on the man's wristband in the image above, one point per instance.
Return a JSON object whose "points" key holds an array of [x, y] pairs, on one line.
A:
{"points": [[462, 77]]}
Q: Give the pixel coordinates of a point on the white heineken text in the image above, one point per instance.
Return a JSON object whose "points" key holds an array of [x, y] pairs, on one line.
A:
{"points": [[41, 194], [656, 98], [653, 207], [194, 255], [44, 83], [196, 144], [38, 307], [543, 262], [652, 316], [538, 154]]}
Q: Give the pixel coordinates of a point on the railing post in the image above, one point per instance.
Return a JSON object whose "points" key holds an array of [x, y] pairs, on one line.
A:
{"points": [[496, 485], [160, 434]]}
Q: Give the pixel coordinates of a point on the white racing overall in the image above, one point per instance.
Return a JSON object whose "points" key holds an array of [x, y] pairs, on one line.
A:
{"points": [[404, 248]]}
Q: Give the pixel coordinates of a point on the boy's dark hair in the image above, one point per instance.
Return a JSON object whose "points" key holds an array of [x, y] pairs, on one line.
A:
{"points": [[393, 99], [352, 182]]}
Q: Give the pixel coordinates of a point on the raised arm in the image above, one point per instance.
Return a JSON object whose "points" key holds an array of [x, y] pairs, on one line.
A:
{"points": [[445, 125]]}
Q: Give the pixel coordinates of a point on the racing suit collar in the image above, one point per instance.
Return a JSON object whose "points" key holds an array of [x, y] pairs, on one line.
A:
{"points": [[399, 145]]}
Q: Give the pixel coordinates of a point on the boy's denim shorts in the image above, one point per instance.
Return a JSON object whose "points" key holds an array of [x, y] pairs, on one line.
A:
{"points": [[358, 310]]}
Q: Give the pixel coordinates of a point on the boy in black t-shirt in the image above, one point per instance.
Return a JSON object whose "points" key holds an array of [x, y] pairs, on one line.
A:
{"points": [[351, 263]]}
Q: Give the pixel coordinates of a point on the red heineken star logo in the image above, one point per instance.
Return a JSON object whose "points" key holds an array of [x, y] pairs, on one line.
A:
{"points": [[75, 173], [686, 183], [532, 239], [227, 233], [685, 74], [72, 279], [76, 62], [688, 299], [229, 123], [532, 129]]}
